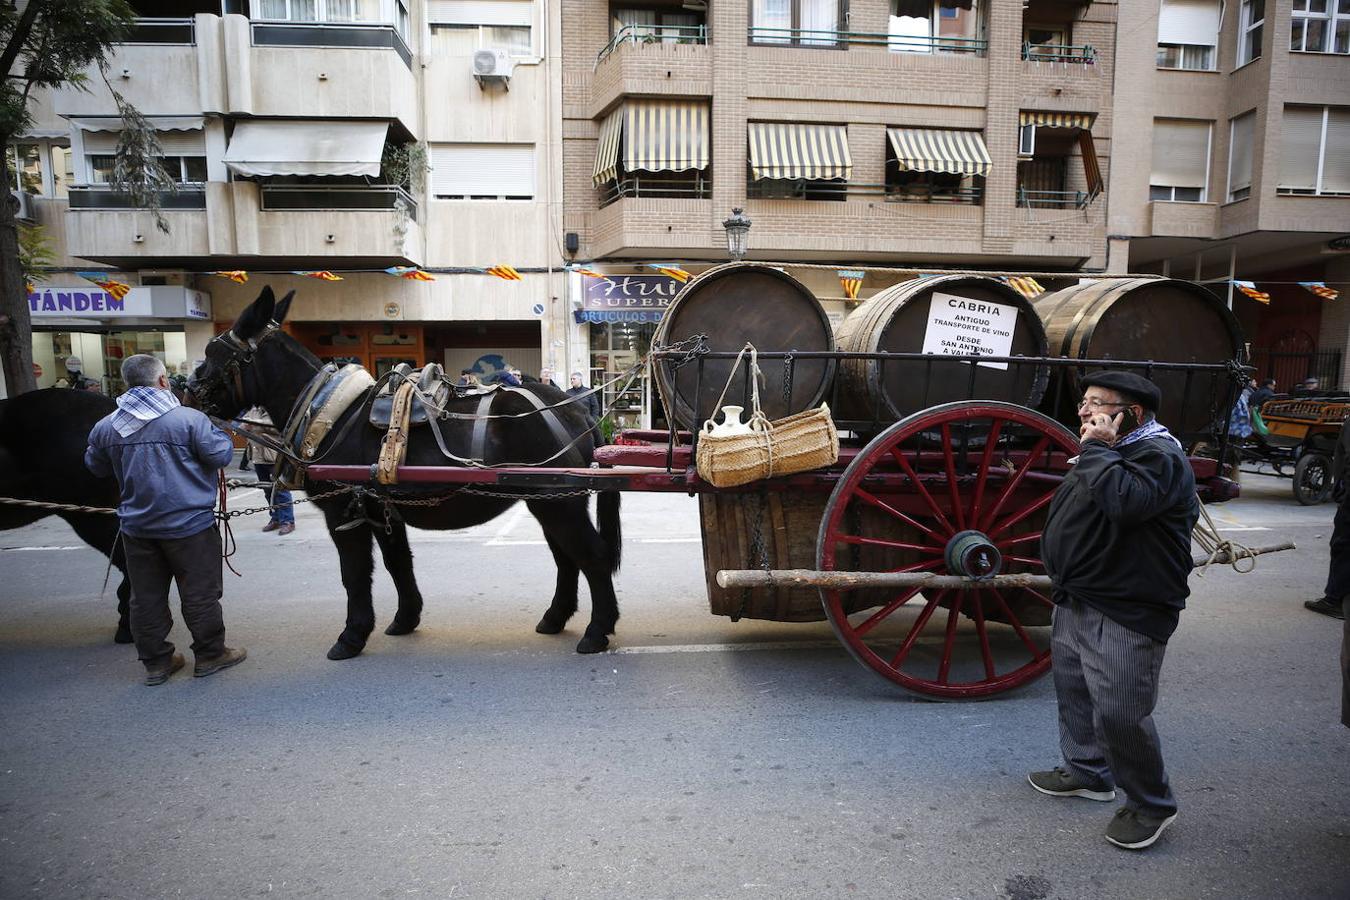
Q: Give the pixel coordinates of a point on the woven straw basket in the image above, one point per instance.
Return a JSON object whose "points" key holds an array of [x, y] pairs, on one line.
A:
{"points": [[798, 443]]}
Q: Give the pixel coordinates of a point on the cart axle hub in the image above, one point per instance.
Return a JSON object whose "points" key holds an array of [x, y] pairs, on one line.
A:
{"points": [[972, 554]]}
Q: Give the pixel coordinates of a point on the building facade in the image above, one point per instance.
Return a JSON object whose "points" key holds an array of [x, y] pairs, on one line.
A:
{"points": [[333, 136]]}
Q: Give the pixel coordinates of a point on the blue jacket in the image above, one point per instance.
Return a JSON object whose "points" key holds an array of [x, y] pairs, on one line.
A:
{"points": [[166, 470]]}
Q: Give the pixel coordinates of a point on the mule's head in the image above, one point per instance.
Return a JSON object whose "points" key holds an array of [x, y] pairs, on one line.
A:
{"points": [[240, 361]]}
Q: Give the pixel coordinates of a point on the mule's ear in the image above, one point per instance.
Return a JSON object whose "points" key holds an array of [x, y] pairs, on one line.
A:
{"points": [[256, 316], [283, 307]]}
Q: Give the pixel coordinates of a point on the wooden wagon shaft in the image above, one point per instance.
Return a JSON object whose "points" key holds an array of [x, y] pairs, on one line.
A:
{"points": [[756, 578]]}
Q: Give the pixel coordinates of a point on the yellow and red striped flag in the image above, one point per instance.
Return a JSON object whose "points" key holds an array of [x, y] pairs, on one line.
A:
{"points": [[411, 273], [851, 280], [238, 276], [506, 273], [589, 273], [1027, 287], [321, 274], [118, 289], [1249, 288], [1320, 289], [675, 272]]}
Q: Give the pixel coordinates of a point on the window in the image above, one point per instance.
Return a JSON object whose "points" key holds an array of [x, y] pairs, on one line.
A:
{"points": [[802, 22], [656, 25], [482, 171], [1315, 151], [1026, 141], [1320, 26], [1240, 136], [1251, 25], [25, 167], [1188, 32], [928, 26], [1180, 160], [182, 169], [362, 12], [459, 27]]}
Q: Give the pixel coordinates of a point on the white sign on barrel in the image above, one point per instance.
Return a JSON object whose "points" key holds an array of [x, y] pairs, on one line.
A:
{"points": [[960, 326]]}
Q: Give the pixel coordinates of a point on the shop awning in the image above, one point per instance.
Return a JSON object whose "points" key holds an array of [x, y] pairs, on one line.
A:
{"points": [[289, 147], [1092, 169], [932, 150], [655, 136], [618, 315], [792, 151], [159, 123], [1056, 119]]}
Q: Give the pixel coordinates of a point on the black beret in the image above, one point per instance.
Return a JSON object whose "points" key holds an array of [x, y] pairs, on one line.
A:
{"points": [[1131, 386]]}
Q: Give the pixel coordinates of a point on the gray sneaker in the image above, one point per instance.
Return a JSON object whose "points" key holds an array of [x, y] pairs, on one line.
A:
{"points": [[210, 666], [1060, 783], [1135, 830]]}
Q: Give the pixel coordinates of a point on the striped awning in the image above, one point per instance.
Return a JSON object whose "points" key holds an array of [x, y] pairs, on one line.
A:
{"points": [[1056, 119], [607, 148], [932, 150], [665, 135], [791, 151], [1092, 169]]}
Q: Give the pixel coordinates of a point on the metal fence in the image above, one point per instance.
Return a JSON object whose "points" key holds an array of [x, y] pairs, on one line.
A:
{"points": [[1289, 369]]}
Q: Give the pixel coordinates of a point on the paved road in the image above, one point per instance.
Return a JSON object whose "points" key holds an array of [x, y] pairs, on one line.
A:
{"points": [[703, 759]]}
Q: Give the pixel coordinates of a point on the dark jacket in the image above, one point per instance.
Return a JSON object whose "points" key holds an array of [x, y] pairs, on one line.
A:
{"points": [[1259, 396], [1118, 535], [591, 403]]}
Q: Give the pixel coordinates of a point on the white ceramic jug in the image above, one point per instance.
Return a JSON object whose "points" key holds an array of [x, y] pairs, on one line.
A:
{"points": [[731, 423]]}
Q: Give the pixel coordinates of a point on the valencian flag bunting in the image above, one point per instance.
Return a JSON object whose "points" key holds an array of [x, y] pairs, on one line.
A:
{"points": [[238, 276], [411, 273], [322, 275], [1027, 287], [589, 273], [851, 280], [675, 272], [117, 288], [506, 273], [1320, 289], [1249, 288]]}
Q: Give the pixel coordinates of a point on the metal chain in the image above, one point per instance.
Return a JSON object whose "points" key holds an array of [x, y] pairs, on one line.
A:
{"points": [[789, 363], [254, 510], [690, 349], [758, 549]]}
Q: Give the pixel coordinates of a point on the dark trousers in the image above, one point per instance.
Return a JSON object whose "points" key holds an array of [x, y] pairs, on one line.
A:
{"points": [[1106, 680], [1338, 573], [194, 563]]}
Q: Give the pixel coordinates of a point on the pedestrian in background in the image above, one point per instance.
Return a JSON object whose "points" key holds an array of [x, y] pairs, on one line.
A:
{"points": [[546, 377], [1117, 547], [166, 458], [590, 403], [1262, 394], [282, 519]]}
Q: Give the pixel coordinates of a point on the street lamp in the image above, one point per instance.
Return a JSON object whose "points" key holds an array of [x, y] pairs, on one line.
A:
{"points": [[738, 233]]}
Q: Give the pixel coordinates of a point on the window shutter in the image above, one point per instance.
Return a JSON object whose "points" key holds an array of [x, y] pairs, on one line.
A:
{"points": [[1180, 153], [482, 170], [480, 12], [1299, 146], [1189, 22], [1240, 153], [173, 143], [1336, 156]]}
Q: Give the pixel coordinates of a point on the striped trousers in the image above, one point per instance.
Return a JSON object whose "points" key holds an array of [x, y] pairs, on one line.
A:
{"points": [[1106, 681]]}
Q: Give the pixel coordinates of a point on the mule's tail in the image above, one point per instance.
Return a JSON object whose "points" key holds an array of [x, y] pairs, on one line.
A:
{"points": [[611, 532]]}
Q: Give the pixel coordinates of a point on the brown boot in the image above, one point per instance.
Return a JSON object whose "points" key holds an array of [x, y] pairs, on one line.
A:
{"points": [[213, 664], [159, 674]]}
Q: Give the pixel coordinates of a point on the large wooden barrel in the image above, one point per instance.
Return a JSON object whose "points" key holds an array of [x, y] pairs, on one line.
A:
{"points": [[1159, 319], [733, 304], [933, 314]]}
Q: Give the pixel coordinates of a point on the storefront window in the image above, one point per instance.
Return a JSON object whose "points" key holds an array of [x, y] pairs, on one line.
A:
{"points": [[100, 355], [615, 347]]}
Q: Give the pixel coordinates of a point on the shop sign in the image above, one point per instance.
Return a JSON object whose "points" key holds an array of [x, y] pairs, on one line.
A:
{"points": [[629, 292], [157, 302], [960, 326]]}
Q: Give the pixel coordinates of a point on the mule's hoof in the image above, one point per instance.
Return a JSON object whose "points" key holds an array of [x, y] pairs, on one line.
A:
{"points": [[589, 644], [123, 635], [548, 626], [340, 651], [396, 627]]}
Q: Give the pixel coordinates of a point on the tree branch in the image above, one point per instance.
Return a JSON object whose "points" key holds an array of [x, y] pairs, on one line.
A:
{"points": [[19, 36]]}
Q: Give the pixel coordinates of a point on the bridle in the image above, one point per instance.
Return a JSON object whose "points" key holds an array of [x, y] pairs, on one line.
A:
{"points": [[237, 354]]}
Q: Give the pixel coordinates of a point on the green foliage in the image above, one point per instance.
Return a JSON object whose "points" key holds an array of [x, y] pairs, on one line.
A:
{"points": [[406, 165], [36, 256], [138, 168]]}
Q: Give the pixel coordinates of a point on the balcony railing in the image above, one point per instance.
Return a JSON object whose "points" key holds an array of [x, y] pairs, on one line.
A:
{"points": [[783, 189], [163, 31], [378, 197], [654, 34], [1066, 53], [1030, 199], [286, 34], [840, 40], [102, 196], [652, 187]]}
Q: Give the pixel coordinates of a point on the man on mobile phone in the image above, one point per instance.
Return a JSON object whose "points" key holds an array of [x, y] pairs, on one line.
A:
{"points": [[1117, 547]]}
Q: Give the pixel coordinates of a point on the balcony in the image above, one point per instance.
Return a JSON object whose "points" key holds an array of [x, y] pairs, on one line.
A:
{"points": [[651, 187], [1183, 219], [288, 34], [376, 223], [638, 67], [102, 225], [349, 198], [764, 36], [840, 191], [648, 35], [163, 31], [633, 225], [188, 196], [1084, 54], [1038, 199]]}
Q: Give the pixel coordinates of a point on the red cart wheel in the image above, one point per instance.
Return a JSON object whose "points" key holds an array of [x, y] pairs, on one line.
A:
{"points": [[911, 501]]}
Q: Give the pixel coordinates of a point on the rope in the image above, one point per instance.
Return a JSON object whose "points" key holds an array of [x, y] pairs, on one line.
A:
{"points": [[1206, 534]]}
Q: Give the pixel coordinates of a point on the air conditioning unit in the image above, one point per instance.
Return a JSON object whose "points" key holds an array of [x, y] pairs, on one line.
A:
{"points": [[493, 65], [25, 210]]}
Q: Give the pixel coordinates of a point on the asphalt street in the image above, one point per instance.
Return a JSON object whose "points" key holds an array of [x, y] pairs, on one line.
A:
{"points": [[700, 758]]}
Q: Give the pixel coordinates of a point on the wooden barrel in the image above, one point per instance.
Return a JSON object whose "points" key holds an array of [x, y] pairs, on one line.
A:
{"points": [[955, 313], [1159, 319], [733, 304]]}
